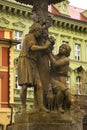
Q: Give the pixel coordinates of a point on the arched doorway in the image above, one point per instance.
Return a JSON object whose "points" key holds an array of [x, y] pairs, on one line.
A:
{"points": [[85, 123]]}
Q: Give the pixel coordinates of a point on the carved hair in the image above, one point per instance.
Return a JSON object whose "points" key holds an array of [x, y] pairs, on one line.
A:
{"points": [[35, 27], [68, 48]]}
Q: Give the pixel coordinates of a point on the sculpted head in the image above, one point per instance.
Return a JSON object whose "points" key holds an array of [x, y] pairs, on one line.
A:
{"points": [[65, 49], [36, 29]]}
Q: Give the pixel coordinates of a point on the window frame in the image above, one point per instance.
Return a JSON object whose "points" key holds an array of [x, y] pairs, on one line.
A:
{"points": [[79, 85], [77, 52], [18, 36]]}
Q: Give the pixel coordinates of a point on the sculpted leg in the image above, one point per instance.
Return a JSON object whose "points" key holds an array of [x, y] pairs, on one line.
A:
{"points": [[39, 96], [63, 96], [23, 94], [69, 98], [35, 99]]}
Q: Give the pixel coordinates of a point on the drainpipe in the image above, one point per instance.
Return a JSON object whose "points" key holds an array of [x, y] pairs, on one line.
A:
{"points": [[9, 105]]}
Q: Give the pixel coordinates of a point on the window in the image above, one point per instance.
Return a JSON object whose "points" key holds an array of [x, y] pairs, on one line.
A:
{"points": [[4, 56], [7, 34], [18, 36], [77, 52], [1, 33], [64, 7], [16, 79], [68, 81], [79, 85]]}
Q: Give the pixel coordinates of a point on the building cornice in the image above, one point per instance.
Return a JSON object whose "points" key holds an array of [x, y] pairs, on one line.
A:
{"points": [[26, 11], [15, 8], [69, 23]]}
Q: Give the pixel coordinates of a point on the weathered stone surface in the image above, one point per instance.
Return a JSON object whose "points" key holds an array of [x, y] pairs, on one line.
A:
{"points": [[45, 121], [52, 117], [50, 126]]}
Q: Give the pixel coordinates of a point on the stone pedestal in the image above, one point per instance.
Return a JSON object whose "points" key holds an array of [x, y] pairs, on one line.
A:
{"points": [[53, 126], [44, 121]]}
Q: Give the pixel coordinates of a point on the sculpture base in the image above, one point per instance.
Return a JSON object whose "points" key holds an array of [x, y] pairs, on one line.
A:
{"points": [[44, 121], [53, 126]]}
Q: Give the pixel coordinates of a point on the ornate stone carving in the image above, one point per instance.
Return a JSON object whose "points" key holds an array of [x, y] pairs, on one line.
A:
{"points": [[4, 20], [19, 24]]}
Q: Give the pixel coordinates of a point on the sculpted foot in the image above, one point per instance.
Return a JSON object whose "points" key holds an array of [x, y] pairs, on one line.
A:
{"points": [[43, 109], [61, 110]]}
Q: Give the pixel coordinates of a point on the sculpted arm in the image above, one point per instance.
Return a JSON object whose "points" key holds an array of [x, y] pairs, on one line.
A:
{"points": [[38, 48], [34, 46], [58, 62]]}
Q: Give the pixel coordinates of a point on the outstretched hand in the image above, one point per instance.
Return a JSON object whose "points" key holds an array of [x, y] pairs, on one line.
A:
{"points": [[47, 44]]}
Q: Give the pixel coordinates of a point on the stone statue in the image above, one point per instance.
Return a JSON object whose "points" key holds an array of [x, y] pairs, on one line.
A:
{"points": [[34, 61], [59, 72], [33, 71], [40, 15], [28, 74]]}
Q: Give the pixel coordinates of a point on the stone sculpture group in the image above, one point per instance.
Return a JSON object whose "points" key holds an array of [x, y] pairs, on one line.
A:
{"points": [[34, 70], [57, 95]]}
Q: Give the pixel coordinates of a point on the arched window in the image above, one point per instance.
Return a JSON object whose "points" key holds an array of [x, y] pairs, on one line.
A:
{"points": [[85, 123], [78, 85]]}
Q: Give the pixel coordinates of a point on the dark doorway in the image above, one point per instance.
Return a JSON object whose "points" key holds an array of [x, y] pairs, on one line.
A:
{"points": [[85, 123]]}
